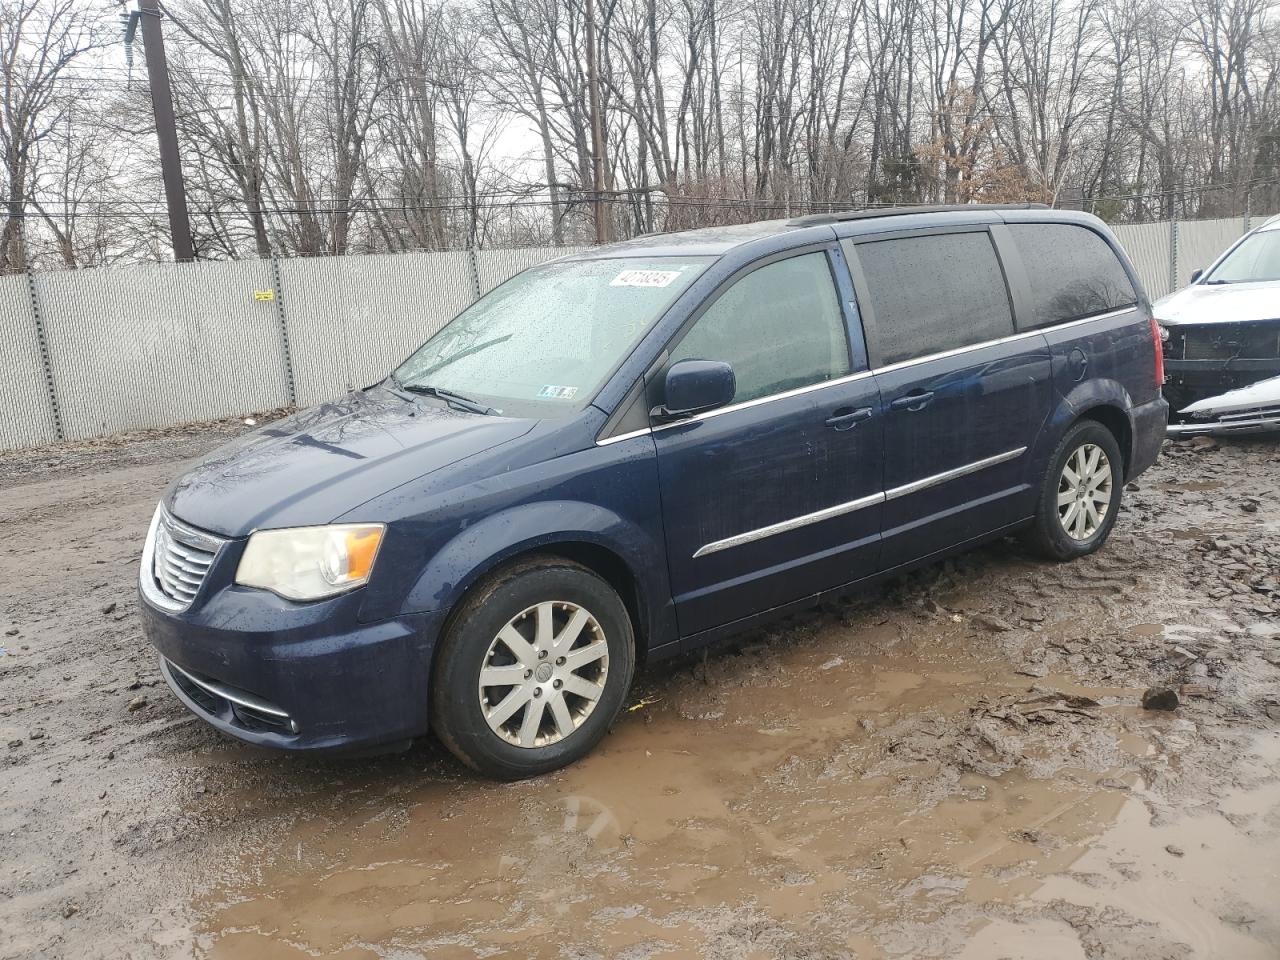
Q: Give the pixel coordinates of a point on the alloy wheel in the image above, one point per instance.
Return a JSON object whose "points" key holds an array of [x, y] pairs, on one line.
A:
{"points": [[1084, 491], [543, 674]]}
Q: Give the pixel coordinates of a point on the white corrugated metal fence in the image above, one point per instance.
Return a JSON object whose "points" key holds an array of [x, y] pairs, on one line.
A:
{"points": [[92, 352]]}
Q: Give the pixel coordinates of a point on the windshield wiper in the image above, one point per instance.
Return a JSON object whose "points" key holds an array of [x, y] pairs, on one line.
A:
{"points": [[1218, 283], [448, 396], [465, 352]]}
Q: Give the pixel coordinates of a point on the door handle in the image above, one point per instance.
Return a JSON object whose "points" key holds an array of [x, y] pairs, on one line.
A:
{"points": [[913, 401], [845, 417]]}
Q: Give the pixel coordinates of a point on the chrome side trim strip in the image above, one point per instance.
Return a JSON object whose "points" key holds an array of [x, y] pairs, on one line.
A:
{"points": [[618, 438], [925, 483], [238, 697], [1026, 334], [747, 404], [1012, 338], [944, 354], [792, 524], [842, 508]]}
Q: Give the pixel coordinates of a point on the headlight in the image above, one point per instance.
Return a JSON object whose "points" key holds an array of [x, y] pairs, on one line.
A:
{"points": [[308, 563], [1164, 332]]}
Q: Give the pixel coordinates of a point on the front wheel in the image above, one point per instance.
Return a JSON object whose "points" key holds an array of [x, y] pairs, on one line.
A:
{"points": [[533, 669], [1080, 494]]}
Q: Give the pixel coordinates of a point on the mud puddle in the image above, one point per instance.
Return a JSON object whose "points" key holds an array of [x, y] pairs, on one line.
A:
{"points": [[1202, 885], [794, 805]]}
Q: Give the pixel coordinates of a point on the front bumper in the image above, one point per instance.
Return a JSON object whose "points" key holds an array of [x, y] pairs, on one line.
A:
{"points": [[1204, 360], [1245, 410], [1224, 427], [296, 676]]}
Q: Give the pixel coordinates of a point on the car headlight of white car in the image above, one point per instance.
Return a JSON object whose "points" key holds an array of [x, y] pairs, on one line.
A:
{"points": [[311, 563]]}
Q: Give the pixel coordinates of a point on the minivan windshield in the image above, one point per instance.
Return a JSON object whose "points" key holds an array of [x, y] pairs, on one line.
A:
{"points": [[1257, 259], [544, 341]]}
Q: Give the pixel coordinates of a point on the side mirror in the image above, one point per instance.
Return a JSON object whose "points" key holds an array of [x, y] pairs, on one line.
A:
{"points": [[1196, 275], [694, 386]]}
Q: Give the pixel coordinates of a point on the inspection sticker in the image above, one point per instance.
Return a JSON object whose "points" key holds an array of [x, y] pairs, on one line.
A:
{"points": [[552, 392], [644, 278]]}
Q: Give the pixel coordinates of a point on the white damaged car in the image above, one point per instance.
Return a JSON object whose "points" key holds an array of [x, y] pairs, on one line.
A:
{"points": [[1222, 341]]}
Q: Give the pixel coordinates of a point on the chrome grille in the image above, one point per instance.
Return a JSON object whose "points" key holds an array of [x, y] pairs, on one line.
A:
{"points": [[177, 560]]}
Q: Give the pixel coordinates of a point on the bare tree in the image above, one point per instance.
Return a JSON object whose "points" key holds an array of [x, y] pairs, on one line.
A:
{"points": [[39, 40]]}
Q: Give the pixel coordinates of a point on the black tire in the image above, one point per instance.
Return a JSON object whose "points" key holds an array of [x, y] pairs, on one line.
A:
{"points": [[458, 715], [1047, 535]]}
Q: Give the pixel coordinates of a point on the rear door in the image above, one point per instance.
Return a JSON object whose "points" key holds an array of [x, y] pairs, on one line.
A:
{"points": [[965, 396], [776, 496]]}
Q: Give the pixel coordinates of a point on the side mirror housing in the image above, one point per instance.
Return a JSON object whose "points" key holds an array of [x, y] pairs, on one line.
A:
{"points": [[1196, 275], [695, 386]]}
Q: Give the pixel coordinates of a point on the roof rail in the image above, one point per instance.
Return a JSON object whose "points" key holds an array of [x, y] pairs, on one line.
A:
{"points": [[815, 219]]}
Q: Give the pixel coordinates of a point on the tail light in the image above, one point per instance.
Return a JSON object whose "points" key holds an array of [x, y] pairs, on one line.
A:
{"points": [[1158, 340]]}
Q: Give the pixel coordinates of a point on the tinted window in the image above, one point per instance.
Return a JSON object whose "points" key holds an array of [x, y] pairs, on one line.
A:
{"points": [[780, 326], [1072, 273], [934, 293]]}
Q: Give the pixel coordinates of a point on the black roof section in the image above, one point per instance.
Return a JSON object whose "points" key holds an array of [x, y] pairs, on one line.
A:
{"points": [[718, 240], [817, 219]]}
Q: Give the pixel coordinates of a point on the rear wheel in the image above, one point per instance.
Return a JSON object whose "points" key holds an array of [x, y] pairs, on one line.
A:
{"points": [[1080, 494], [533, 669]]}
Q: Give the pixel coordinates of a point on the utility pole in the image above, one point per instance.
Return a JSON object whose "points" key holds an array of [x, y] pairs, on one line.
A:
{"points": [[597, 133], [148, 13]]}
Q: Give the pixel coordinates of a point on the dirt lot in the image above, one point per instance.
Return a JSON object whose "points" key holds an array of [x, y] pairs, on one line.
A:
{"points": [[960, 766]]}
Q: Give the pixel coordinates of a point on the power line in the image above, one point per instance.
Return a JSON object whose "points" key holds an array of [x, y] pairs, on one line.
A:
{"points": [[508, 197]]}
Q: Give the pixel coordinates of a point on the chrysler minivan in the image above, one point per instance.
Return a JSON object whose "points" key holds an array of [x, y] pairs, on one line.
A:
{"points": [[629, 452]]}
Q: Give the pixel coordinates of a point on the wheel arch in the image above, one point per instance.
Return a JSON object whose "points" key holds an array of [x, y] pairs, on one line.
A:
{"points": [[619, 552], [1118, 423], [601, 560], [1104, 401]]}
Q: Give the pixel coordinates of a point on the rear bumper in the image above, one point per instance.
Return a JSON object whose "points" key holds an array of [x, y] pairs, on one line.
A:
{"points": [[296, 676], [1149, 423]]}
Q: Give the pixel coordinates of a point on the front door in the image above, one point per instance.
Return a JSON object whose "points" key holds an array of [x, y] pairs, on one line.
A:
{"points": [[777, 496], [964, 397]]}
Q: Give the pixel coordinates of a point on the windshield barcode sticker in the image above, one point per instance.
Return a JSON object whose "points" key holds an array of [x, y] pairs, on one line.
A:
{"points": [[553, 392], [644, 278]]}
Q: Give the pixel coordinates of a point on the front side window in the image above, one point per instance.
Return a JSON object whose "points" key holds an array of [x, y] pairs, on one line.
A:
{"points": [[934, 293], [1256, 260], [1072, 273], [544, 341], [780, 327]]}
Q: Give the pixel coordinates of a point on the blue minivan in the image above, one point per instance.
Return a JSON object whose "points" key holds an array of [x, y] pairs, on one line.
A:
{"points": [[627, 453]]}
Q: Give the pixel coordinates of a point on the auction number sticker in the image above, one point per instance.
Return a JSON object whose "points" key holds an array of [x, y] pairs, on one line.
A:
{"points": [[644, 278], [553, 392]]}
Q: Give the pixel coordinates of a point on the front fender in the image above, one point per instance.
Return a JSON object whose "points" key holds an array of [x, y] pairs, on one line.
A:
{"points": [[517, 530]]}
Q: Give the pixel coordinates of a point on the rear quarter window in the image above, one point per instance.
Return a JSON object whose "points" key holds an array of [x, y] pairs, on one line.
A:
{"points": [[934, 293], [1072, 273]]}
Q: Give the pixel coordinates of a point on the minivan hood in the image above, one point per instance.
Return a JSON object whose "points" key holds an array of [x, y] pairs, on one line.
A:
{"points": [[322, 462], [1220, 303]]}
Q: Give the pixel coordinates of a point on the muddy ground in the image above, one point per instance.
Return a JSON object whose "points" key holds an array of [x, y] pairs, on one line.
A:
{"points": [[958, 766]]}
